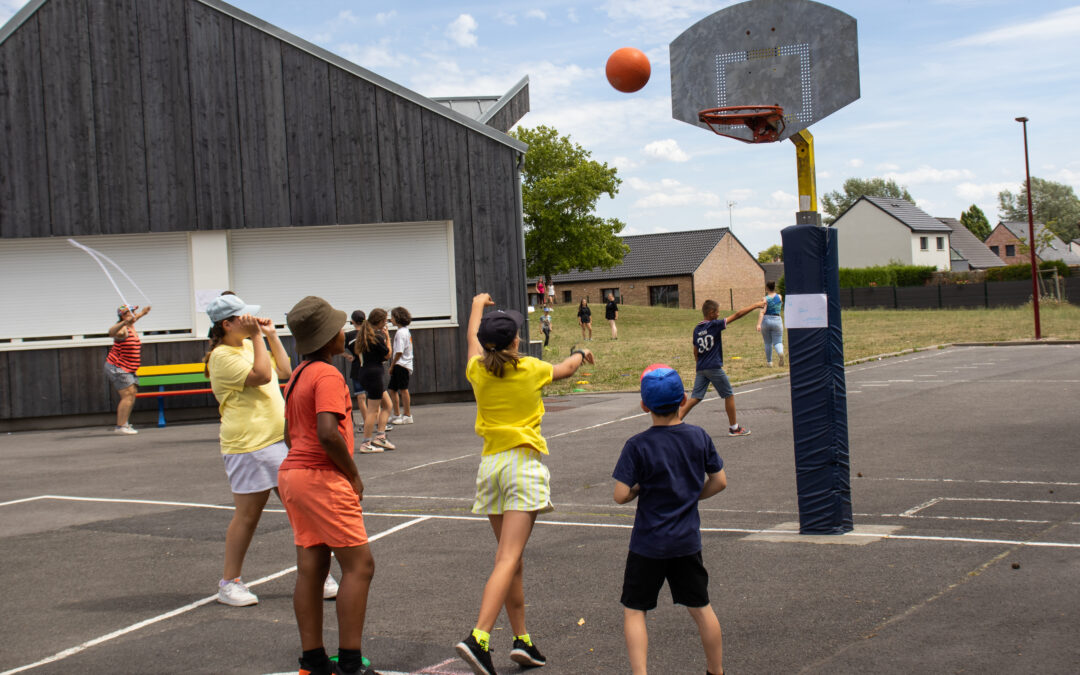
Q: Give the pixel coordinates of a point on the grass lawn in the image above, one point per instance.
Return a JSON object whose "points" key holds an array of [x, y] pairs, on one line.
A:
{"points": [[657, 334]]}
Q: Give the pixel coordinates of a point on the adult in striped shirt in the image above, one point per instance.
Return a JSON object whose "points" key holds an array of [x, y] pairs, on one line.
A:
{"points": [[123, 361]]}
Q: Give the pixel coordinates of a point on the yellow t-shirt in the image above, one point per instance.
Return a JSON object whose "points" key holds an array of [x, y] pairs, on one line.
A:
{"points": [[509, 408], [251, 417]]}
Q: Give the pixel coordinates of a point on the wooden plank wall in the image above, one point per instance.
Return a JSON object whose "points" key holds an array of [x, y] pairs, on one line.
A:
{"points": [[171, 116]]}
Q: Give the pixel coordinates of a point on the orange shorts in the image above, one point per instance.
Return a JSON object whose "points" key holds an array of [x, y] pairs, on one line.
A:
{"points": [[322, 508]]}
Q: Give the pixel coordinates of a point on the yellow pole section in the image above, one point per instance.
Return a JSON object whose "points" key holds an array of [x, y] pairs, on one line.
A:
{"points": [[804, 160]]}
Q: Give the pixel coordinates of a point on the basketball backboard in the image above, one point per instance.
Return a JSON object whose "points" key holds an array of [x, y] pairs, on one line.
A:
{"points": [[797, 54]]}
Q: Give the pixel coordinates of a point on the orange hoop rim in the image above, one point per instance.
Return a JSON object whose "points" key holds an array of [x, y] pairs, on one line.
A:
{"points": [[765, 121]]}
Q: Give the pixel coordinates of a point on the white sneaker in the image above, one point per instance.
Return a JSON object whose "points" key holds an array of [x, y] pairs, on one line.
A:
{"points": [[396, 419], [235, 593], [126, 429], [404, 419], [329, 588]]}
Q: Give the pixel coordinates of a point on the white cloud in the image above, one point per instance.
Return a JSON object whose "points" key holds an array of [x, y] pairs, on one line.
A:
{"points": [[886, 166], [1062, 24], [346, 16], [657, 9], [624, 163], [571, 15], [506, 17], [978, 191], [855, 162], [462, 31], [784, 199], [670, 192], [740, 194], [536, 14], [926, 174], [667, 149], [374, 56], [382, 18]]}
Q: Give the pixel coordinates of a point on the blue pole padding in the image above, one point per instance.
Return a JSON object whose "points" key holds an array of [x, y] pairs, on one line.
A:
{"points": [[161, 408], [818, 388]]}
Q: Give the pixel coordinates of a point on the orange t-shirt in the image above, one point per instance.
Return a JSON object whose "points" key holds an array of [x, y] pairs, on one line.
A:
{"points": [[315, 387]]}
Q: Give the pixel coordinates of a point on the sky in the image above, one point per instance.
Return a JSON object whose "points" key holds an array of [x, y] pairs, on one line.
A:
{"points": [[941, 84]]}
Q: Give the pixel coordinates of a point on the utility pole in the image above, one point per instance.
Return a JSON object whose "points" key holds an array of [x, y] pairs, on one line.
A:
{"points": [[1031, 235]]}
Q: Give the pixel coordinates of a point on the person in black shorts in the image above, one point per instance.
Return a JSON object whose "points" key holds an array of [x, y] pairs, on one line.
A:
{"points": [[372, 346], [358, 317], [584, 319], [669, 467], [611, 313]]}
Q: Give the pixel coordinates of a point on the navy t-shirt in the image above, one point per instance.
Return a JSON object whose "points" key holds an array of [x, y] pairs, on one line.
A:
{"points": [[707, 342], [669, 463]]}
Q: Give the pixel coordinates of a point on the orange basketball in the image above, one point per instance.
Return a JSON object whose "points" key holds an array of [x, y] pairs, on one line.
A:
{"points": [[628, 69]]}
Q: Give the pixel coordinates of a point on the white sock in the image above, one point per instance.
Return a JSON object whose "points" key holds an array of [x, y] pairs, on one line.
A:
{"points": [[733, 427]]}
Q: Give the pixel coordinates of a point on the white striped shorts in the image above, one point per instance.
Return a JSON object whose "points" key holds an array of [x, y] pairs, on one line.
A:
{"points": [[512, 480]]}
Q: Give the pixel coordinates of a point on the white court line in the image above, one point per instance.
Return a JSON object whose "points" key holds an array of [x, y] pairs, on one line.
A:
{"points": [[178, 611], [915, 509], [973, 480]]}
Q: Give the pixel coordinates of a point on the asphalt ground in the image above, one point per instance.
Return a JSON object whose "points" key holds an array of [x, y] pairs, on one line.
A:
{"points": [[965, 559]]}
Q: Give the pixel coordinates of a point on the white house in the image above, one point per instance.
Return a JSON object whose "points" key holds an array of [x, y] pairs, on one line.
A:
{"points": [[880, 230]]}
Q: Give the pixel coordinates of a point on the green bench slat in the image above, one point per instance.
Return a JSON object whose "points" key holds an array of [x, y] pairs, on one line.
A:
{"points": [[184, 378]]}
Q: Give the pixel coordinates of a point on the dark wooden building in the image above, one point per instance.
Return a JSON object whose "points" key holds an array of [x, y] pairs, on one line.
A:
{"points": [[201, 148]]}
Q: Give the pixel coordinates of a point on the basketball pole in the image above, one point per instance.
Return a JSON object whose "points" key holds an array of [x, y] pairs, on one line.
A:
{"points": [[818, 387], [804, 164]]}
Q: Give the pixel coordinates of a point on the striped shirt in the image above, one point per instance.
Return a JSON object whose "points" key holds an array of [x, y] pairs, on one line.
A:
{"points": [[127, 353]]}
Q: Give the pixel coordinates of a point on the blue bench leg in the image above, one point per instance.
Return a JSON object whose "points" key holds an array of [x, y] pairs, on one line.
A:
{"points": [[161, 409]]}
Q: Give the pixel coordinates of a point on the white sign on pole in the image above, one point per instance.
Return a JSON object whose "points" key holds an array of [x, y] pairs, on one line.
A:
{"points": [[809, 310]]}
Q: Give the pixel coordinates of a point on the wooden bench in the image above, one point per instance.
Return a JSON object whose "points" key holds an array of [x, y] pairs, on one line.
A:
{"points": [[161, 376], [181, 373]]}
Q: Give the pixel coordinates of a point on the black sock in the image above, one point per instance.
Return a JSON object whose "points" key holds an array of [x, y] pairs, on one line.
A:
{"points": [[315, 658], [350, 660]]}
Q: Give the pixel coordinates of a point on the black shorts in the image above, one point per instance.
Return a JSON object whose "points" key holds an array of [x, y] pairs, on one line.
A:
{"points": [[372, 383], [399, 379], [686, 577]]}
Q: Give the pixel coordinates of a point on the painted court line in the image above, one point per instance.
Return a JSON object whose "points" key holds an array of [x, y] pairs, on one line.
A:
{"points": [[59, 656]]}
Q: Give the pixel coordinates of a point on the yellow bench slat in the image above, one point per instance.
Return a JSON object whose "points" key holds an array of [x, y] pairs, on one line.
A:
{"points": [[176, 369]]}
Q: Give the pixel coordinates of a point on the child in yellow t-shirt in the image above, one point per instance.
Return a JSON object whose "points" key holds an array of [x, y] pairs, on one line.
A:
{"points": [[512, 484]]}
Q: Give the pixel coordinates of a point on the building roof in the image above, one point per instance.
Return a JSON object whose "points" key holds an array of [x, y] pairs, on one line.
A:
{"points": [[482, 108], [665, 254], [969, 248], [773, 271], [1055, 250], [907, 213], [30, 8]]}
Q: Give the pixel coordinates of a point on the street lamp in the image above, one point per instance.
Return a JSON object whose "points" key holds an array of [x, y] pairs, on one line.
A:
{"points": [[1031, 234], [729, 221]]}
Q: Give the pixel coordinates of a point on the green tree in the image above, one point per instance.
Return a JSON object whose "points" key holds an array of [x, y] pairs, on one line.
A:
{"points": [[836, 203], [975, 221], [559, 191], [1054, 204], [774, 253]]}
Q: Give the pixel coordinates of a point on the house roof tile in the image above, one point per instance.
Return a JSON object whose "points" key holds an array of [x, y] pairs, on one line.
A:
{"points": [[969, 247], [907, 213], [1055, 250], [655, 255]]}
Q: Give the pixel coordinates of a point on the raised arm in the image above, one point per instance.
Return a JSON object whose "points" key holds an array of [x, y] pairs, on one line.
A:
{"points": [[744, 311], [282, 365], [571, 363], [260, 366], [479, 302]]}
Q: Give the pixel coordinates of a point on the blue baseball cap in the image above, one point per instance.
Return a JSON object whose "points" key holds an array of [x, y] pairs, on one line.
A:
{"points": [[661, 389], [225, 306]]}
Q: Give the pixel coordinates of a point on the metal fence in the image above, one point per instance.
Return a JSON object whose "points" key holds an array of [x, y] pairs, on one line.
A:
{"points": [[984, 294]]}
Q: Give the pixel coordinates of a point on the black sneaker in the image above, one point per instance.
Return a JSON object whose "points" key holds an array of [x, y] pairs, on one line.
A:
{"points": [[478, 658], [526, 655]]}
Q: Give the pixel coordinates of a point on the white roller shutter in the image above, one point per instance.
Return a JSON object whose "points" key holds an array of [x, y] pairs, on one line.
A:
{"points": [[351, 266], [53, 290]]}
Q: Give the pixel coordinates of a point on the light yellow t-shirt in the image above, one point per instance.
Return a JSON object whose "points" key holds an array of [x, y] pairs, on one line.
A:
{"points": [[509, 408], [251, 417]]}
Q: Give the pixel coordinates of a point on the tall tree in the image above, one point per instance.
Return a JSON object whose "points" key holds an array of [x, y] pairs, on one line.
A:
{"points": [[774, 253], [559, 191], [836, 203], [975, 221], [1054, 204]]}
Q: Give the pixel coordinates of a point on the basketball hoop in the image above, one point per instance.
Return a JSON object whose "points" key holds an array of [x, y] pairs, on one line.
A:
{"points": [[765, 121]]}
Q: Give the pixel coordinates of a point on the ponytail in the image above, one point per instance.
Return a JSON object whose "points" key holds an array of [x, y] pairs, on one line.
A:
{"points": [[217, 334], [366, 338], [495, 361]]}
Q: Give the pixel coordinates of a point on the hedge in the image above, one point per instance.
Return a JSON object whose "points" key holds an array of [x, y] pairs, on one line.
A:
{"points": [[886, 275], [1023, 271]]}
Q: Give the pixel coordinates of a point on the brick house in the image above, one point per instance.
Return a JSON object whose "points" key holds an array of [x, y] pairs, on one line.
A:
{"points": [[1008, 239], [675, 269]]}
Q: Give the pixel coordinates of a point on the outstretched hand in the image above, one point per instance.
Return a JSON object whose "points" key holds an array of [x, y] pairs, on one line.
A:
{"points": [[484, 299]]}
